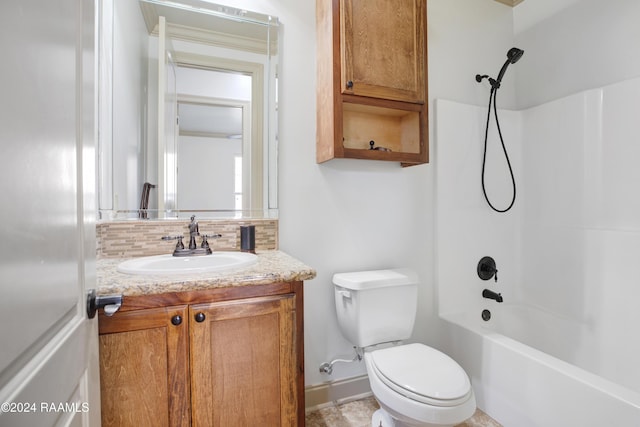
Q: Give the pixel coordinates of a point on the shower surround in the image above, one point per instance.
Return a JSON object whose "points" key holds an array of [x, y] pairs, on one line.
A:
{"points": [[567, 255]]}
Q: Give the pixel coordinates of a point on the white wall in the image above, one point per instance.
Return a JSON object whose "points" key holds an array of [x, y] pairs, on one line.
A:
{"points": [[469, 37], [588, 44], [531, 13]]}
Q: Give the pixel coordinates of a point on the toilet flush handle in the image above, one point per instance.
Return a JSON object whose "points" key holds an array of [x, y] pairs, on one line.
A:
{"points": [[345, 294]]}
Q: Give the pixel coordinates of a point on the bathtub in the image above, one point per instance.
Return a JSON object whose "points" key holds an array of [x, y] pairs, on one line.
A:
{"points": [[515, 364]]}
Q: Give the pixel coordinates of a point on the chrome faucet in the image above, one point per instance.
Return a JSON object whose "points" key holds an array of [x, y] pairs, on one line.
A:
{"points": [[491, 295], [194, 231]]}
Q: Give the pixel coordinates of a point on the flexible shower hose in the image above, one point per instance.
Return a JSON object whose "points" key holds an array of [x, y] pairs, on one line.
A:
{"points": [[492, 97]]}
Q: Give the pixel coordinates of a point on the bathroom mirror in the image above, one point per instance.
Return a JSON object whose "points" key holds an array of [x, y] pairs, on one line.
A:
{"points": [[187, 113]]}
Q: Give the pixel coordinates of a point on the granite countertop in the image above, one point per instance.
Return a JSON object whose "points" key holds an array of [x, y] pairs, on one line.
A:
{"points": [[272, 267]]}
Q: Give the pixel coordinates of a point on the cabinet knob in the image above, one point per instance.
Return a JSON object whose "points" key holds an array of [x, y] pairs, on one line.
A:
{"points": [[350, 84], [200, 317], [176, 320]]}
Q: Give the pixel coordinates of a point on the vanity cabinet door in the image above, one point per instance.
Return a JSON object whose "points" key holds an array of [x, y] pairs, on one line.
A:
{"points": [[243, 362], [144, 367], [383, 49]]}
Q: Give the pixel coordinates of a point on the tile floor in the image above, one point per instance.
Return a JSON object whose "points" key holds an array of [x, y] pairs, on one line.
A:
{"points": [[358, 414]]}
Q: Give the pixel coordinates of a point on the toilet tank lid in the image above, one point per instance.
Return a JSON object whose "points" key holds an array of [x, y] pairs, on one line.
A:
{"points": [[372, 279]]}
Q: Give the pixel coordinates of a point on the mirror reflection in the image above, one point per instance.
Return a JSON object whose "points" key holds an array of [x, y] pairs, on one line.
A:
{"points": [[187, 110]]}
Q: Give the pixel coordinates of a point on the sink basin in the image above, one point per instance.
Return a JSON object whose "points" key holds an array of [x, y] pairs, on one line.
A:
{"points": [[168, 264]]}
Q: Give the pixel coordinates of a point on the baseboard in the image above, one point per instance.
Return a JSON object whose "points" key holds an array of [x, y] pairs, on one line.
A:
{"points": [[335, 392]]}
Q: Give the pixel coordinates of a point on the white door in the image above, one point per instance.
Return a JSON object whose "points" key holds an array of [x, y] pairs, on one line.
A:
{"points": [[48, 347]]}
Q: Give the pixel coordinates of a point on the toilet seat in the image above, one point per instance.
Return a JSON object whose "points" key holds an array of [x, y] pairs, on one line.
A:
{"points": [[423, 374]]}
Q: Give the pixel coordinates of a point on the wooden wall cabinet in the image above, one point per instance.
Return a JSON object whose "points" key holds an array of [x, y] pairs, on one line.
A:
{"points": [[372, 79], [218, 360]]}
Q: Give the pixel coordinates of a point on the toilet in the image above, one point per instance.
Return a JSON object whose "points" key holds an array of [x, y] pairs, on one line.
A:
{"points": [[414, 384]]}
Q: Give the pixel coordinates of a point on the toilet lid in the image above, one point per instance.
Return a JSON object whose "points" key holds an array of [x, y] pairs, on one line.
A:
{"points": [[422, 373]]}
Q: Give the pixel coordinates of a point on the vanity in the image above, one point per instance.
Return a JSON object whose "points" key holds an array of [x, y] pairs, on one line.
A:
{"points": [[210, 349]]}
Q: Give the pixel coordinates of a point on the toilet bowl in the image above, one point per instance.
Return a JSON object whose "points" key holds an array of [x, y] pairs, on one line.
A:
{"points": [[419, 386], [414, 384]]}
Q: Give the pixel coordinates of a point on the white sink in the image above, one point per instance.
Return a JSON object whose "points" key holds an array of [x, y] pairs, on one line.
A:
{"points": [[169, 264]]}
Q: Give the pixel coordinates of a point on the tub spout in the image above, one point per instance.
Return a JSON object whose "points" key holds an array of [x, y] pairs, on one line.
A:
{"points": [[491, 295]]}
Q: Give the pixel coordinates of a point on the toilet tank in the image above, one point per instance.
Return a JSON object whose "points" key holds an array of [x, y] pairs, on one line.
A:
{"points": [[376, 306]]}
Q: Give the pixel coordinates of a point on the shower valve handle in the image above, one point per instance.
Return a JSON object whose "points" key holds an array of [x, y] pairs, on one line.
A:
{"points": [[487, 268]]}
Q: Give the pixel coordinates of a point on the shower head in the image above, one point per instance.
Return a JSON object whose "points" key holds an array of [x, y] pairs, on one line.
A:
{"points": [[513, 56]]}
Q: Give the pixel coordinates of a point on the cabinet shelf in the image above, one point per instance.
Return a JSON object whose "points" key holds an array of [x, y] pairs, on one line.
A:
{"points": [[396, 132]]}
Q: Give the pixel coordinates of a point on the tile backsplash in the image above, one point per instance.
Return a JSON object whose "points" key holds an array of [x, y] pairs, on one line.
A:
{"points": [[125, 239]]}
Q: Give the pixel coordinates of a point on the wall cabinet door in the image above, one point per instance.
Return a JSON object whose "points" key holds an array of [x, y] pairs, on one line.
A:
{"points": [[144, 368], [383, 49], [243, 362]]}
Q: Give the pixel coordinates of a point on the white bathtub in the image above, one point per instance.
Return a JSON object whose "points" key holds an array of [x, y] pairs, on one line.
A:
{"points": [[522, 386]]}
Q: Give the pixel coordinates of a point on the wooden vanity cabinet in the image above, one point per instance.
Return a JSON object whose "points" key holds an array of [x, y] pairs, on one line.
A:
{"points": [[225, 357], [372, 79]]}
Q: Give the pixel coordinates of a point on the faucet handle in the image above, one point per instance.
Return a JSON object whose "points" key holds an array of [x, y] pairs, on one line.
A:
{"points": [[179, 244], [211, 236], [205, 244]]}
